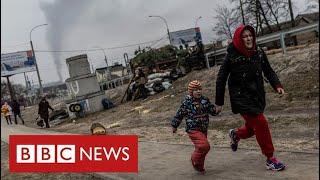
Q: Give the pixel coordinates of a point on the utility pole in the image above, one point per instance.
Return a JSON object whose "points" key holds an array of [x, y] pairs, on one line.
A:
{"points": [[38, 73], [26, 81], [34, 56], [106, 60], [11, 92], [104, 53], [165, 21]]}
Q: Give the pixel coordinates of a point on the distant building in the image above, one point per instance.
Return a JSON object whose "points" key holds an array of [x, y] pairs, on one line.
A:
{"points": [[50, 87], [107, 76], [305, 19]]}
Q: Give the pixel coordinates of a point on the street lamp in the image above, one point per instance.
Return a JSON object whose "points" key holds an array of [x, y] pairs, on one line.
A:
{"points": [[166, 26], [105, 57], [197, 21], [34, 55]]}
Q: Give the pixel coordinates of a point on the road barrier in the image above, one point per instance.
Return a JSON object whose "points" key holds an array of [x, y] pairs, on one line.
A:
{"points": [[265, 39]]}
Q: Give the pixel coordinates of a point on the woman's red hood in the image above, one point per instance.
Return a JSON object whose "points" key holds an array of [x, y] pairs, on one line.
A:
{"points": [[238, 43]]}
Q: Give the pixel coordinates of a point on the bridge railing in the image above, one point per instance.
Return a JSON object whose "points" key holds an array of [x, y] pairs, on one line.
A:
{"points": [[270, 38], [115, 82]]}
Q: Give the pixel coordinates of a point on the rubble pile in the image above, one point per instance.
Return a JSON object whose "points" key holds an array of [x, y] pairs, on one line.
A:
{"points": [[158, 82]]}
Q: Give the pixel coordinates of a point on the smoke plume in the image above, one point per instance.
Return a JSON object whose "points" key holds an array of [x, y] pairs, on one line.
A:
{"points": [[61, 16]]}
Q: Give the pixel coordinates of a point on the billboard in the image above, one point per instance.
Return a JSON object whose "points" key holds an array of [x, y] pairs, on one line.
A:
{"points": [[17, 62], [185, 36]]}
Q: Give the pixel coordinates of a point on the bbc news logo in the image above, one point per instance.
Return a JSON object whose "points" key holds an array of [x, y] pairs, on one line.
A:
{"points": [[45, 153], [73, 153]]}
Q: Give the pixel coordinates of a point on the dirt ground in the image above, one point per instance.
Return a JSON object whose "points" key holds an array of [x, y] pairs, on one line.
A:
{"points": [[5, 174], [171, 161], [293, 117]]}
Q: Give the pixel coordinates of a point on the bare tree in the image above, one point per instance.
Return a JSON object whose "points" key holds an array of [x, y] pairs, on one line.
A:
{"points": [[291, 13], [242, 14], [292, 21], [277, 11], [262, 13], [251, 12], [227, 22]]}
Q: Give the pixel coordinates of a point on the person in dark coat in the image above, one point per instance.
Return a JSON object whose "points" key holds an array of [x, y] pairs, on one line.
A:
{"points": [[16, 111], [245, 67], [43, 111]]}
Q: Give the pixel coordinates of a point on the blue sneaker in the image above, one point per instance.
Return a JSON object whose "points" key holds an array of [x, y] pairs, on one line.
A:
{"points": [[274, 164], [234, 140]]}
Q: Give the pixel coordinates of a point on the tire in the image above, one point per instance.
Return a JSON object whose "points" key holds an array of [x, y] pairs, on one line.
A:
{"points": [[77, 108], [71, 108]]}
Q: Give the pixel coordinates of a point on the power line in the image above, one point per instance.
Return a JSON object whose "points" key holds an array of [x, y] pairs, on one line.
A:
{"points": [[110, 48], [15, 45], [154, 44]]}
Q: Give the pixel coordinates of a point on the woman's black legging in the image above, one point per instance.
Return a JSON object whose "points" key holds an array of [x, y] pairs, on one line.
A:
{"points": [[8, 118]]}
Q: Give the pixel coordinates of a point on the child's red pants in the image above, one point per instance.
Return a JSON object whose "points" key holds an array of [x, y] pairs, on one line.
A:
{"points": [[202, 147]]}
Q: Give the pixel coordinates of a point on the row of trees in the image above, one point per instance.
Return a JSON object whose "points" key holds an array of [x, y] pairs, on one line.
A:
{"points": [[149, 56], [18, 88], [261, 14]]}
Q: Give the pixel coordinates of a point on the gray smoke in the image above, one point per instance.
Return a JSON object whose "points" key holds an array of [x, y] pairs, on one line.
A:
{"points": [[61, 16], [83, 24]]}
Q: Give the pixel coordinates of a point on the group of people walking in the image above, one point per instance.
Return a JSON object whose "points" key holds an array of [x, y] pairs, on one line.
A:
{"points": [[7, 110], [244, 68], [14, 108]]}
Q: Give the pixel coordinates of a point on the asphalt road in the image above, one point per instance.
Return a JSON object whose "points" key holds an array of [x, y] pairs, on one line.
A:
{"points": [[172, 161]]}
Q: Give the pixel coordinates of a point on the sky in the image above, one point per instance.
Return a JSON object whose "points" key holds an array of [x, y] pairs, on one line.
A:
{"points": [[88, 24]]}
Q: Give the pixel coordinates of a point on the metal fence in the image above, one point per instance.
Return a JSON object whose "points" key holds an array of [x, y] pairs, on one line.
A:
{"points": [[115, 82], [270, 38]]}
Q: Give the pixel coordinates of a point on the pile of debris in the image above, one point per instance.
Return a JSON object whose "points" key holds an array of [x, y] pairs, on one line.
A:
{"points": [[158, 82]]}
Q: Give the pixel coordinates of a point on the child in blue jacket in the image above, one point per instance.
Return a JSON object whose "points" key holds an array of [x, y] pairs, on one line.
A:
{"points": [[196, 108]]}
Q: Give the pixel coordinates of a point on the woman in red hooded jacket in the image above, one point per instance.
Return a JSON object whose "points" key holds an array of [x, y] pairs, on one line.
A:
{"points": [[244, 68]]}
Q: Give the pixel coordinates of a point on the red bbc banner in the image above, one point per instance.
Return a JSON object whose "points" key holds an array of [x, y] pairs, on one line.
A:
{"points": [[73, 153]]}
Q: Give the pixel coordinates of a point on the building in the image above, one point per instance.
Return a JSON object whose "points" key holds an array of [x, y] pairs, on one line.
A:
{"points": [[305, 19], [112, 76]]}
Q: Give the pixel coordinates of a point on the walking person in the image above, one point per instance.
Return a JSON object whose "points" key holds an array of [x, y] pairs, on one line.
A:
{"points": [[6, 112], [196, 108], [245, 67], [43, 110], [16, 111]]}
